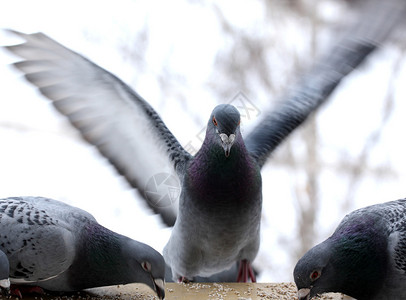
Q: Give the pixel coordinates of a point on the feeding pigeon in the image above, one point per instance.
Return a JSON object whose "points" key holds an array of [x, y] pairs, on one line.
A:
{"points": [[62, 248], [364, 258], [217, 217], [4, 273]]}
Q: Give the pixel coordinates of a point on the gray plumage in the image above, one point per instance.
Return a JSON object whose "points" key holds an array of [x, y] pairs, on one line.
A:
{"points": [[4, 273], [364, 258], [220, 203], [62, 248]]}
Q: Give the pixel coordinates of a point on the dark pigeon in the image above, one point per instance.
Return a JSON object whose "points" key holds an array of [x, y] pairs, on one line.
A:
{"points": [[218, 220], [364, 258], [4, 274], [62, 248]]}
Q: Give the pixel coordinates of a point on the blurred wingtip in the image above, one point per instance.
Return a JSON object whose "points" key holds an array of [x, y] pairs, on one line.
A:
{"points": [[14, 32], [377, 19]]}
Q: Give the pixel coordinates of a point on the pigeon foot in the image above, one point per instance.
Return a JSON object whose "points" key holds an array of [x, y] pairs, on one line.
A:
{"points": [[245, 272], [16, 290], [184, 279]]}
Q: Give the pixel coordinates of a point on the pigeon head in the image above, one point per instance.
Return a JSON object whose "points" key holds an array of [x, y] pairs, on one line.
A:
{"points": [[4, 274], [309, 270], [224, 124], [352, 261], [146, 266]]}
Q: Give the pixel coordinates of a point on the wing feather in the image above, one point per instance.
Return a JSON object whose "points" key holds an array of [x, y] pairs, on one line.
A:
{"points": [[108, 114], [375, 22], [39, 243]]}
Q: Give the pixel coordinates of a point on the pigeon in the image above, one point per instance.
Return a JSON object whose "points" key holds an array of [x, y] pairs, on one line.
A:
{"points": [[4, 274], [364, 258], [222, 187], [58, 247], [216, 217]]}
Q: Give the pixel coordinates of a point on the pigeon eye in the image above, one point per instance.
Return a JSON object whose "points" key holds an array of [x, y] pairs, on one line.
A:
{"points": [[214, 121], [315, 275], [146, 266]]}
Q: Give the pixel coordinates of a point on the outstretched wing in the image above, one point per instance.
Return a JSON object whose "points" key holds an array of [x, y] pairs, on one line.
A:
{"points": [[109, 115], [375, 22]]}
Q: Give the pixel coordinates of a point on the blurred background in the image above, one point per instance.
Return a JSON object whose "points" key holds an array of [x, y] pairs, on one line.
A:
{"points": [[184, 57]]}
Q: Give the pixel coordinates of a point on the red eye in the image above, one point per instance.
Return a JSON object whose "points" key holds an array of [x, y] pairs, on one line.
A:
{"points": [[214, 121], [146, 266], [315, 275]]}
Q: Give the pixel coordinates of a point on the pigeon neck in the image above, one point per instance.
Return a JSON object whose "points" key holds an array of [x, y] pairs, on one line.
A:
{"points": [[357, 245], [99, 261], [214, 176], [212, 153]]}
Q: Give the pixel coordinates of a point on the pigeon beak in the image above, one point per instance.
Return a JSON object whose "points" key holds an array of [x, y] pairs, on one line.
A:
{"points": [[227, 142], [303, 294], [160, 288]]}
